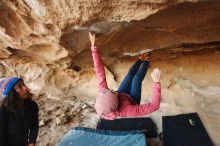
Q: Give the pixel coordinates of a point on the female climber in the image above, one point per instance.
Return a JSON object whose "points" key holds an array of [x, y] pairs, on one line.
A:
{"points": [[126, 101]]}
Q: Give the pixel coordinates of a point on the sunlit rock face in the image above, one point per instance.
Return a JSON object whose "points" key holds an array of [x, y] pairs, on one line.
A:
{"points": [[46, 42]]}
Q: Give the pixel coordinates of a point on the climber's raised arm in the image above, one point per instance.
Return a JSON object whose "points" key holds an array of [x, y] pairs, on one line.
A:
{"points": [[99, 67]]}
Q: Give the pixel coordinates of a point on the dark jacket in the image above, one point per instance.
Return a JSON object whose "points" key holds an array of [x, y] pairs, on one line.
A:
{"points": [[20, 128]]}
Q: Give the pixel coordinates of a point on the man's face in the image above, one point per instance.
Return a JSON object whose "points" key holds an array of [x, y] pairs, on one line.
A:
{"points": [[22, 90]]}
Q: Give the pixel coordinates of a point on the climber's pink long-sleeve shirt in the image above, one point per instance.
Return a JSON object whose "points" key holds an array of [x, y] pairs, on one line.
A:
{"points": [[127, 107]]}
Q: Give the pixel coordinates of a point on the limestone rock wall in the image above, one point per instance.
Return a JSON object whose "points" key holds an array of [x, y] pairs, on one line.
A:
{"points": [[46, 42]]}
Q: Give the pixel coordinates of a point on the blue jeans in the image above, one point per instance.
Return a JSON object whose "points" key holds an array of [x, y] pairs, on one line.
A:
{"points": [[132, 83]]}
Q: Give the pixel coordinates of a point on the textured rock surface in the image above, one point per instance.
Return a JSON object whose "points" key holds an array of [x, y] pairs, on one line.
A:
{"points": [[46, 43]]}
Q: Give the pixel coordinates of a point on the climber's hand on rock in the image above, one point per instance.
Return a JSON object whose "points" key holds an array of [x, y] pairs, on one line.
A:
{"points": [[156, 75], [92, 39]]}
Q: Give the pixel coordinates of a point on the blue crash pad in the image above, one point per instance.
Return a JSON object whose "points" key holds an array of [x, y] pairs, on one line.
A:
{"points": [[81, 136]]}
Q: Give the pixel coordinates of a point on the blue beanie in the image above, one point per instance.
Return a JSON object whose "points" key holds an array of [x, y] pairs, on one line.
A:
{"points": [[7, 84]]}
